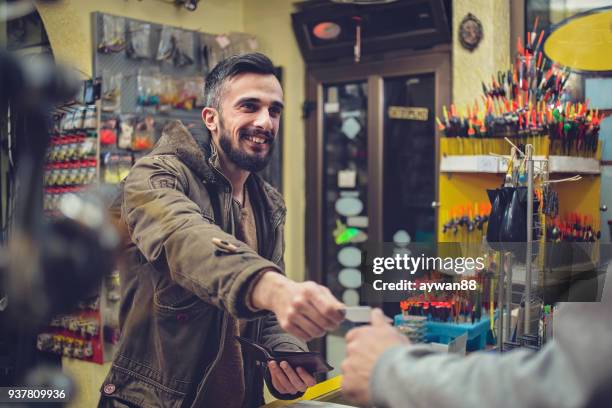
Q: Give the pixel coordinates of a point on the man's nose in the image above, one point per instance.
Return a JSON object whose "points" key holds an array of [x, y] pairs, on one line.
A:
{"points": [[263, 120]]}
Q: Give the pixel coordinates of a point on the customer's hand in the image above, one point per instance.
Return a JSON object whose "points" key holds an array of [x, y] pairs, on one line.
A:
{"points": [[306, 310], [364, 346], [286, 380]]}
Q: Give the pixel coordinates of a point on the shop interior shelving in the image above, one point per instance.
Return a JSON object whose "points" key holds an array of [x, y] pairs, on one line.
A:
{"points": [[496, 165]]}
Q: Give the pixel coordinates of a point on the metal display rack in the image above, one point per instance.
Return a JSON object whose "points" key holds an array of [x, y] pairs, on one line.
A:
{"points": [[537, 167], [507, 259], [73, 167]]}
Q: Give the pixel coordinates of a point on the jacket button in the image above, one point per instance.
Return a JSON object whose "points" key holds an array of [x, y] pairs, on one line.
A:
{"points": [[109, 389], [182, 317]]}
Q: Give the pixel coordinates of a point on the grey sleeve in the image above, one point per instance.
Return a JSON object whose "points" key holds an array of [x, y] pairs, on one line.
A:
{"points": [[573, 370]]}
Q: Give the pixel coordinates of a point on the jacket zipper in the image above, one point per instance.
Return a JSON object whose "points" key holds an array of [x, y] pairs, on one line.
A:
{"points": [[248, 389], [228, 210], [199, 393], [227, 206]]}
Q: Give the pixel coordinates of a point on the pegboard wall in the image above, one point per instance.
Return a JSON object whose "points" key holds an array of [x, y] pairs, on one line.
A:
{"points": [[106, 65], [204, 51]]}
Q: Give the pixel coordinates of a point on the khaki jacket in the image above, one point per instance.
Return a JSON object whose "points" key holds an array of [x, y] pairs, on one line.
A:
{"points": [[178, 287]]}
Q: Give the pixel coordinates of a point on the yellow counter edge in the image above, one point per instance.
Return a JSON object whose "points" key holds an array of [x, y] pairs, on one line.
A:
{"points": [[313, 393]]}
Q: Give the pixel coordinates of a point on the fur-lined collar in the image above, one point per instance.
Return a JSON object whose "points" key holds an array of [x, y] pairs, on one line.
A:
{"points": [[176, 139]]}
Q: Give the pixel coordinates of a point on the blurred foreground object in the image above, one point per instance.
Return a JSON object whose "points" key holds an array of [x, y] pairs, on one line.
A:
{"points": [[46, 266]]}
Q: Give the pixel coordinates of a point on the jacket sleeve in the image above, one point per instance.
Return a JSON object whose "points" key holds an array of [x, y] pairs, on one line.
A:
{"points": [[571, 371], [274, 338], [167, 227]]}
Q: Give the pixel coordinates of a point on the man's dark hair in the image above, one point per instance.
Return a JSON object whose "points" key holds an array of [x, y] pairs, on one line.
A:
{"points": [[255, 63]]}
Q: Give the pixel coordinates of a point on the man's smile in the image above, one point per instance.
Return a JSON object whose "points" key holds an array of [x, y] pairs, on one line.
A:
{"points": [[257, 139]]}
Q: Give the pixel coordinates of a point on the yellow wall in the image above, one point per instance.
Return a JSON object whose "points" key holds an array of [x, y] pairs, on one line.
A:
{"points": [[461, 189], [491, 55], [580, 197], [469, 70]]}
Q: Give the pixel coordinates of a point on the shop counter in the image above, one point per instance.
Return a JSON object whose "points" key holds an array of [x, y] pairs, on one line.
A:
{"points": [[325, 394]]}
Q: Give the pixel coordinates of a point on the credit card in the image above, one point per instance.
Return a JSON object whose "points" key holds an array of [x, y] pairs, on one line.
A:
{"points": [[358, 314]]}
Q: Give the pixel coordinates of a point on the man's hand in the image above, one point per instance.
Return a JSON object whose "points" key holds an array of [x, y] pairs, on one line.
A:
{"points": [[364, 346], [286, 380], [306, 310]]}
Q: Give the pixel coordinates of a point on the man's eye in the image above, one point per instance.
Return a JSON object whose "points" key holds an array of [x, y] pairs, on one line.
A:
{"points": [[249, 106], [275, 112]]}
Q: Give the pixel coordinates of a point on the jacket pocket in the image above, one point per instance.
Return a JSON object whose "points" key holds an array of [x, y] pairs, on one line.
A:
{"points": [[174, 298], [131, 388]]}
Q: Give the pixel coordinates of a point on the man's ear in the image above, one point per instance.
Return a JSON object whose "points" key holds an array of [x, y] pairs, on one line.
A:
{"points": [[209, 117]]}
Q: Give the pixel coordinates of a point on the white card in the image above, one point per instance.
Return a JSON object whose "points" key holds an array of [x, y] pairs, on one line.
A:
{"points": [[358, 314]]}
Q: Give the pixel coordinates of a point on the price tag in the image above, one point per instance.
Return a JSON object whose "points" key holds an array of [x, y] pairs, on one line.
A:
{"points": [[487, 164]]}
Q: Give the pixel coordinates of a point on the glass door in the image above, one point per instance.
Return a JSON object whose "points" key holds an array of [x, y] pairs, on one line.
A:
{"points": [[371, 176], [344, 196], [409, 163]]}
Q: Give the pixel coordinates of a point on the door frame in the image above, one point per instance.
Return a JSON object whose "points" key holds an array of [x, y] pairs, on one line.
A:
{"points": [[436, 60]]}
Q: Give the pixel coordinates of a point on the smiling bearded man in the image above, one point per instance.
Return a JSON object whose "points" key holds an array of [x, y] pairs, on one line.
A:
{"points": [[205, 261]]}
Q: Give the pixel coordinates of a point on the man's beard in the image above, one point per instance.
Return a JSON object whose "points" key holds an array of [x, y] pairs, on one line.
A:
{"points": [[242, 159]]}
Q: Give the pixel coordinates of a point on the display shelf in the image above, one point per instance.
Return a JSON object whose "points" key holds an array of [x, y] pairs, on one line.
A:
{"points": [[72, 166], [495, 165], [470, 164], [572, 164]]}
